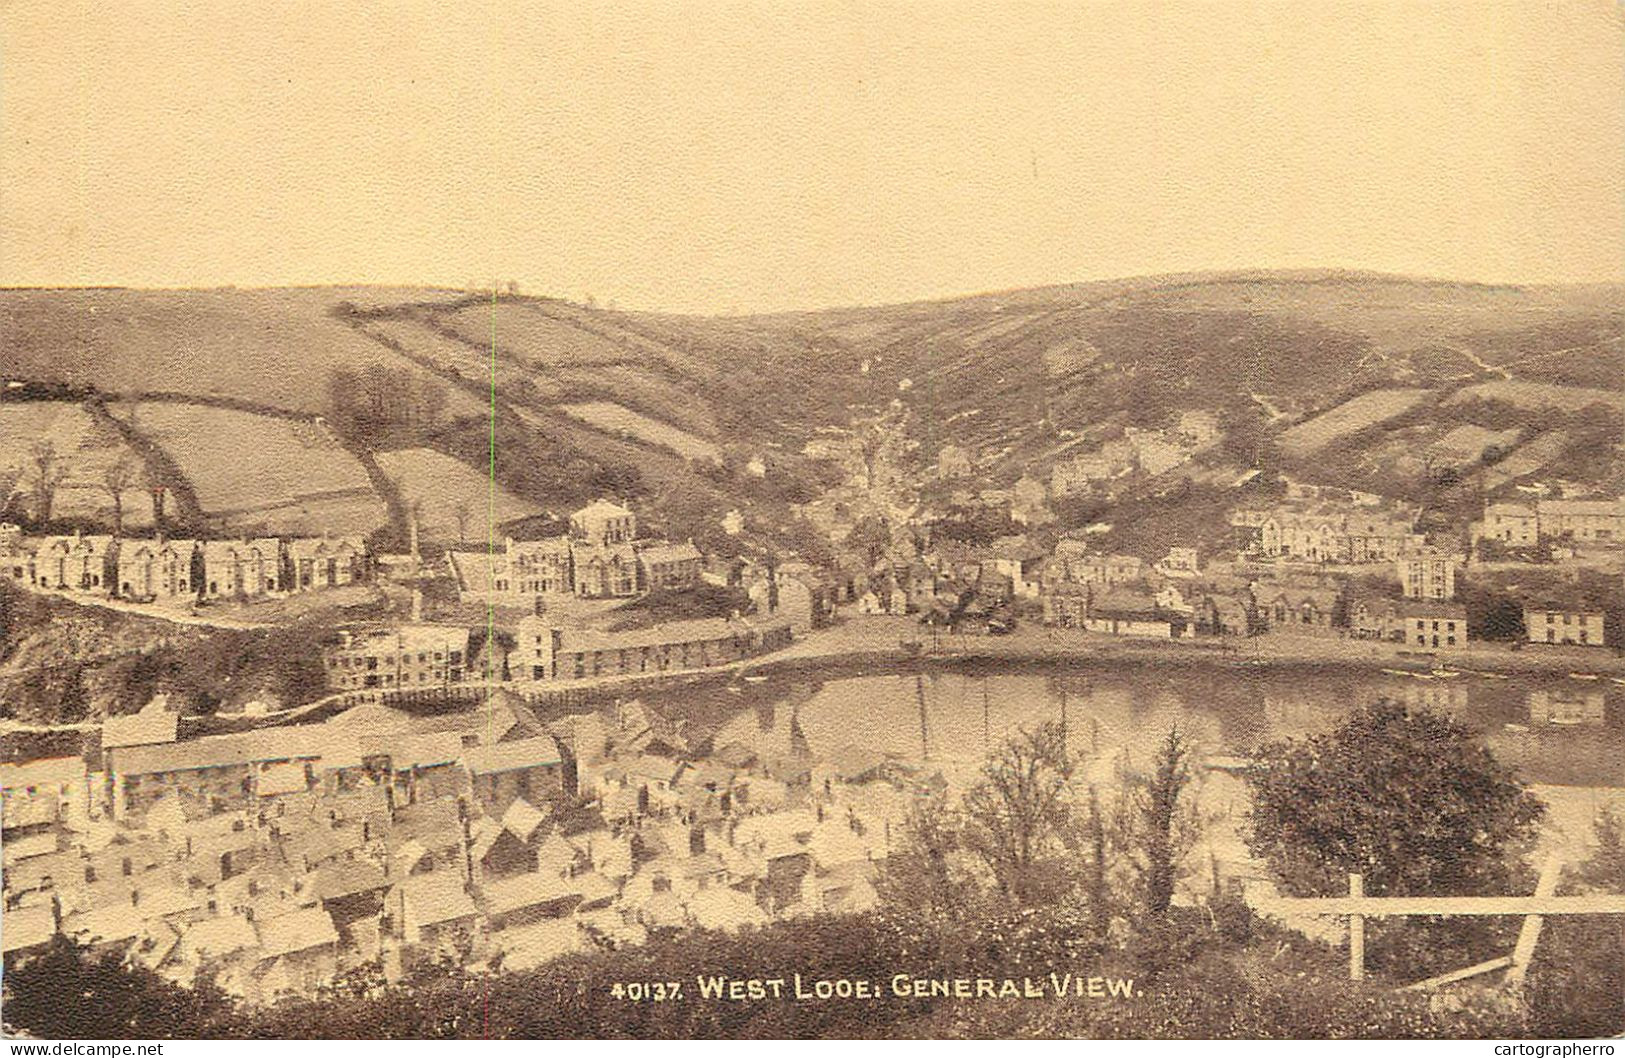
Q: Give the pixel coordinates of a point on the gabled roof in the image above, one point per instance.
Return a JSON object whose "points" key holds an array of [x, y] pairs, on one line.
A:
{"points": [[323, 546], [51, 771], [522, 819], [347, 878], [602, 508], [527, 890], [666, 552], [539, 752], [216, 937], [438, 896], [27, 927], [153, 725], [296, 931]]}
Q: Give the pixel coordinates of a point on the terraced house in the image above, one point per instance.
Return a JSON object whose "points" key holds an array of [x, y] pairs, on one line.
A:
{"points": [[1557, 622], [325, 562], [1332, 535], [242, 569], [76, 563], [419, 656], [156, 569]]}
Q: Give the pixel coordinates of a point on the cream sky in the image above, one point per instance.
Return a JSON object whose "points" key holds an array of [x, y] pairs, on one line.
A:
{"points": [[705, 156]]}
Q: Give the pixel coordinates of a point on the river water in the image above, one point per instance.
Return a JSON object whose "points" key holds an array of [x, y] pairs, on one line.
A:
{"points": [[1554, 730]]}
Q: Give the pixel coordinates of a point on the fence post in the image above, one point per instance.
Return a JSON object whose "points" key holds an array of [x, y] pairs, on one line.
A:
{"points": [[1356, 932]]}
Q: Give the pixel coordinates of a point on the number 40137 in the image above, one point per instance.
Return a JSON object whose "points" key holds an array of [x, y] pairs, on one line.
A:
{"points": [[640, 991]]}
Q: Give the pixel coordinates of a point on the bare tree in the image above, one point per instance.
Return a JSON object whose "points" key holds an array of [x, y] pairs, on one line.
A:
{"points": [[45, 475], [1021, 813], [119, 477]]}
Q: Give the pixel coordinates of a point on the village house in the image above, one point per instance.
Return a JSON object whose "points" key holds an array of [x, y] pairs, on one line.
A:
{"points": [[606, 571], [531, 770], [1297, 609], [242, 569], [216, 773], [1225, 615], [79, 562], [414, 656], [1178, 562], [325, 562], [1432, 624], [1375, 617], [1074, 562], [156, 569], [298, 953], [1018, 559], [603, 524], [1587, 521], [790, 592], [1555, 622], [1509, 524], [1429, 574], [1126, 613], [670, 566]]}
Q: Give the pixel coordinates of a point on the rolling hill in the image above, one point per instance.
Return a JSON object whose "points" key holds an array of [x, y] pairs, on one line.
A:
{"points": [[637, 403]]}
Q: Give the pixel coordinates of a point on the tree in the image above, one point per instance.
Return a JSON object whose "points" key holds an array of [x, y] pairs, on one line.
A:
{"points": [[67, 991], [119, 477], [1020, 814], [924, 873], [1410, 800], [45, 476], [1156, 802], [870, 537]]}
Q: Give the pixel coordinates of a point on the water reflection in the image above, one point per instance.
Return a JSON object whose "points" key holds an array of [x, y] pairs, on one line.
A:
{"points": [[1552, 730]]}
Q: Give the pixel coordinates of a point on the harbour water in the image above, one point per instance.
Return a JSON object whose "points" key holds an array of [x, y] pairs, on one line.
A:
{"points": [[1554, 731]]}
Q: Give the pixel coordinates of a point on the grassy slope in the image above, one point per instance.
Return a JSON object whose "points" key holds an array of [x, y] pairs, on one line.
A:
{"points": [[1091, 356]]}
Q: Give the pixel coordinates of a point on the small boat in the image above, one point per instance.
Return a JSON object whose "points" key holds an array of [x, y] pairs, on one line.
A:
{"points": [[1618, 679], [1583, 676], [1522, 729], [1396, 672], [1423, 675], [1444, 674], [734, 688], [755, 679]]}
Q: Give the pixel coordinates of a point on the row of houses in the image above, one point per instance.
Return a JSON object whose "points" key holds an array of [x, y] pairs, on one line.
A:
{"points": [[1331, 533], [1521, 524], [545, 651], [159, 568], [425, 656], [600, 558]]}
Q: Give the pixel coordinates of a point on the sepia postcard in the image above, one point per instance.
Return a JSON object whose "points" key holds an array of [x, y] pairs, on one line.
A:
{"points": [[559, 519]]}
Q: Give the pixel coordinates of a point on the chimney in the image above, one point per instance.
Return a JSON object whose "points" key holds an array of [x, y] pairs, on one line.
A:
{"points": [[417, 604]]}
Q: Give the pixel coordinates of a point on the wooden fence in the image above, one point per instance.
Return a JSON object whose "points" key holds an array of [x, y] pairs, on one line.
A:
{"points": [[1358, 907]]}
